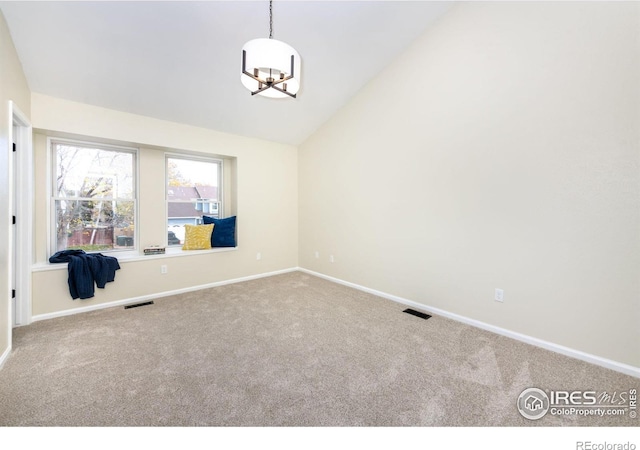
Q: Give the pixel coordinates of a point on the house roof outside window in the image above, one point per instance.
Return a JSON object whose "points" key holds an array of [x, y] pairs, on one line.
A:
{"points": [[189, 194]]}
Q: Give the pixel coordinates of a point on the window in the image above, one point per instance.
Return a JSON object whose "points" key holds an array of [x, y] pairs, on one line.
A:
{"points": [[94, 198], [193, 191]]}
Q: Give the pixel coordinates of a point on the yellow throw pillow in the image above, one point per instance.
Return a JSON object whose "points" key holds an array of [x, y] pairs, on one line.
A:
{"points": [[197, 237]]}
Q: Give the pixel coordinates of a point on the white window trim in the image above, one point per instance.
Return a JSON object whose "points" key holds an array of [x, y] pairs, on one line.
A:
{"points": [[191, 157], [135, 251]]}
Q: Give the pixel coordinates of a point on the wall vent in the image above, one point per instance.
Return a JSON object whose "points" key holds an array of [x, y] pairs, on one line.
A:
{"points": [[138, 304], [413, 312]]}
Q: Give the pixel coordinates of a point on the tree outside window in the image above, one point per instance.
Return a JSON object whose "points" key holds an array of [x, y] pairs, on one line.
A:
{"points": [[93, 199], [193, 190]]}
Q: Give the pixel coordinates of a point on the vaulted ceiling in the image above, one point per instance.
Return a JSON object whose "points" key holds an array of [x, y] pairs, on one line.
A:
{"points": [[180, 61]]}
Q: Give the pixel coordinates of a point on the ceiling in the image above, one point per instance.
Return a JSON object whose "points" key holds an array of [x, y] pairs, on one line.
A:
{"points": [[180, 61]]}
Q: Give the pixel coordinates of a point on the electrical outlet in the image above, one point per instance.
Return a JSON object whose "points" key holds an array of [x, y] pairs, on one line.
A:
{"points": [[317, 254], [499, 295], [331, 259], [163, 269], [258, 256]]}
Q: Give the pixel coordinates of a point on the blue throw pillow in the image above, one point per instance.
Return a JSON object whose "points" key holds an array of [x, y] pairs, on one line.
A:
{"points": [[224, 231]]}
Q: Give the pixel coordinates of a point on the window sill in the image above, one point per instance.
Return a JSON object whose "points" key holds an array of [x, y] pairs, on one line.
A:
{"points": [[170, 252]]}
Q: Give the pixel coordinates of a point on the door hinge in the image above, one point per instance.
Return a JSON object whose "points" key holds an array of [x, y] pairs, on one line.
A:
{"points": [[13, 221], [13, 293], [14, 146]]}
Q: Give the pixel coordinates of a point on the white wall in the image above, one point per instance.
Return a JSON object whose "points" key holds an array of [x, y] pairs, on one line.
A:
{"points": [[13, 87], [266, 204], [501, 150]]}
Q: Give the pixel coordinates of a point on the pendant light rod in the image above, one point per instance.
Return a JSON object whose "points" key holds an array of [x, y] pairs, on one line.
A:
{"points": [[270, 19]]}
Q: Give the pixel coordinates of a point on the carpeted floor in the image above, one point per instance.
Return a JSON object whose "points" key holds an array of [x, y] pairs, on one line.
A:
{"points": [[288, 350]]}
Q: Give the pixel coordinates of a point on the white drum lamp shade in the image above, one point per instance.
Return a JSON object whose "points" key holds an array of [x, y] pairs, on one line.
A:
{"points": [[270, 68]]}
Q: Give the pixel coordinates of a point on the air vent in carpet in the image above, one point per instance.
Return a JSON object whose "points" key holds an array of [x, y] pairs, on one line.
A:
{"points": [[413, 312], [138, 304]]}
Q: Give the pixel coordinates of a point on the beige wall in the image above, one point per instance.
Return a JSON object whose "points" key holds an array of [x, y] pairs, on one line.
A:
{"points": [[266, 203], [501, 150], [13, 87]]}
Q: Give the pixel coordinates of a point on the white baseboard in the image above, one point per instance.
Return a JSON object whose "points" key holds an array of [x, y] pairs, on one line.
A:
{"points": [[4, 356], [577, 354], [144, 298]]}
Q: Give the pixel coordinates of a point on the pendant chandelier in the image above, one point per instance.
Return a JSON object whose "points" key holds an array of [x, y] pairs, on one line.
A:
{"points": [[270, 68]]}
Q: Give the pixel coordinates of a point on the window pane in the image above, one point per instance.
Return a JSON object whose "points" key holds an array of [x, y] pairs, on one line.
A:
{"points": [[181, 213], [93, 173], [93, 197], [94, 225], [191, 173], [192, 191]]}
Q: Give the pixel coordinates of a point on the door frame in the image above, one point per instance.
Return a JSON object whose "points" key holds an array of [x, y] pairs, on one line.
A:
{"points": [[21, 180]]}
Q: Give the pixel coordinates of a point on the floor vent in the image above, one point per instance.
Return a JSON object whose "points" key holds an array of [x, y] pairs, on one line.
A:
{"points": [[413, 312], [138, 304]]}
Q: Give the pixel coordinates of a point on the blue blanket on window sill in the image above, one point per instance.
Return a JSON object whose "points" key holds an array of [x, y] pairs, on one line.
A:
{"points": [[85, 270]]}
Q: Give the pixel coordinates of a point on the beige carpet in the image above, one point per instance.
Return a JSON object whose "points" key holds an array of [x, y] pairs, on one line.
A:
{"points": [[289, 350]]}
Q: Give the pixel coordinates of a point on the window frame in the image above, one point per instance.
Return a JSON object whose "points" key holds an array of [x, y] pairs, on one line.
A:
{"points": [[52, 197], [191, 157]]}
